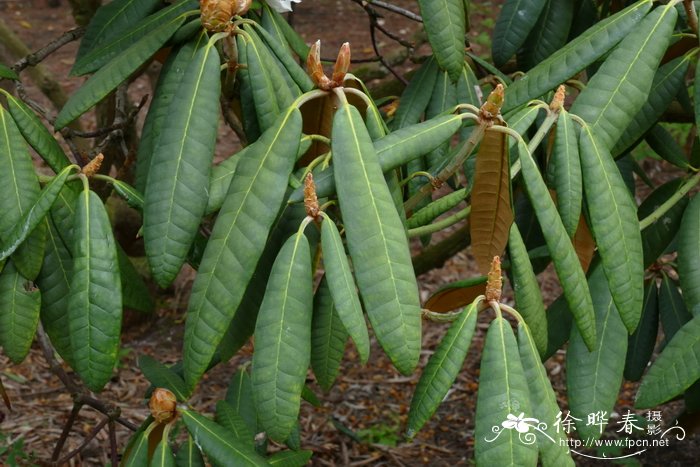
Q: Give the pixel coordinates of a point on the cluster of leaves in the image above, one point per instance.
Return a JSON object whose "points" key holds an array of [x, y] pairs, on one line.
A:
{"points": [[569, 202]]}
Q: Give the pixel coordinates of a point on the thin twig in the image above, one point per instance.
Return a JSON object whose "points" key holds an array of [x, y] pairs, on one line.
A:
{"points": [[397, 10], [119, 124], [84, 444], [692, 15], [37, 57], [66, 431], [113, 443]]}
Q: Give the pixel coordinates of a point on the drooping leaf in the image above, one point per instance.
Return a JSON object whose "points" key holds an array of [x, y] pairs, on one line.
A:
{"points": [[95, 300], [584, 244], [245, 219], [376, 241], [115, 72], [503, 393], [328, 338], [240, 397], [416, 96], [516, 20], [290, 458], [594, 378], [565, 170], [666, 146], [444, 98], [587, 48], [528, 298], [657, 236], [549, 33], [283, 339], [621, 85], [342, 288], [435, 209], [136, 454], [492, 213], [672, 310], [135, 293], [163, 455], [456, 295], [229, 418], [444, 22], [277, 45], [175, 200], [20, 302], [161, 376], [442, 369], [189, 455], [615, 227], [642, 341], [689, 253], [559, 321]]}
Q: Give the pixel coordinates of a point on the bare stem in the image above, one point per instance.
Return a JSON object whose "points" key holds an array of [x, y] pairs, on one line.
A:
{"points": [[37, 57], [692, 15]]}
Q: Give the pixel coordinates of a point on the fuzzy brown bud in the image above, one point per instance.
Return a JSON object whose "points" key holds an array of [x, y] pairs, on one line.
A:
{"points": [[558, 101], [492, 107], [315, 68], [494, 284], [310, 198], [163, 405], [216, 14], [342, 65], [92, 167]]}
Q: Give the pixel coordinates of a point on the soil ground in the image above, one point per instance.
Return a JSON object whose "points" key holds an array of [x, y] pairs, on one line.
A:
{"points": [[361, 420]]}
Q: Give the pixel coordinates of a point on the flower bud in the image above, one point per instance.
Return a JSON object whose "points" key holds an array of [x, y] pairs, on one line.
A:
{"points": [[494, 284], [216, 14], [493, 104], [163, 405], [92, 167], [558, 100], [342, 65], [310, 198], [315, 69]]}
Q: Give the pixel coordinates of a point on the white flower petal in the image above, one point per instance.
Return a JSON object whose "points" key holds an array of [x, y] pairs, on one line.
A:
{"points": [[282, 6]]}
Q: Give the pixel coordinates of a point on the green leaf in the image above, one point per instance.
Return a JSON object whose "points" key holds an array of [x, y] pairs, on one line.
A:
{"points": [[95, 300], [666, 146], [467, 86], [559, 321], [657, 236], [672, 310], [163, 455], [342, 288], [445, 24], [328, 337], [115, 72], [102, 54], [503, 391], [290, 458], [675, 370], [175, 200], [565, 170], [278, 48], [553, 450], [613, 220], [549, 33], [641, 343], [416, 96], [296, 42], [435, 209], [517, 19], [229, 418], [36, 134], [283, 339], [240, 396], [111, 20], [667, 82], [245, 219], [20, 302], [137, 449], [620, 87], [171, 75], [560, 248], [218, 443], [135, 293], [442, 369], [7, 72], [528, 298], [587, 48], [376, 241], [689, 253], [594, 378], [189, 455], [161, 376]]}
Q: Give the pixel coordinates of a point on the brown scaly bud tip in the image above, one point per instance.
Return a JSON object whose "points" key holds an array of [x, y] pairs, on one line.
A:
{"points": [[493, 104], [163, 405], [314, 67], [92, 167], [310, 198], [216, 14], [558, 100], [494, 284], [342, 65]]}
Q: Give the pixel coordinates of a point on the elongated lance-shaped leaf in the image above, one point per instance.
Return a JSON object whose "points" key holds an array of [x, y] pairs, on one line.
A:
{"points": [[527, 290], [594, 378], [240, 397], [163, 455], [438, 207], [621, 85], [672, 310], [377, 242], [657, 236], [675, 370], [442, 369], [36, 134], [342, 287], [689, 253], [457, 294], [284, 87], [666, 146], [112, 19], [444, 98], [283, 339], [19, 190], [96, 58], [175, 200], [445, 24], [218, 443], [552, 443], [613, 218], [171, 75], [565, 173], [563, 255], [586, 48], [416, 96], [229, 418], [278, 46], [95, 300], [467, 87], [135, 294], [492, 213], [513, 26], [189, 455], [115, 72], [503, 394], [641, 342], [328, 338], [34, 215], [290, 458], [136, 454], [559, 321], [161, 376], [248, 111], [20, 302], [667, 82], [237, 240], [549, 33]]}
